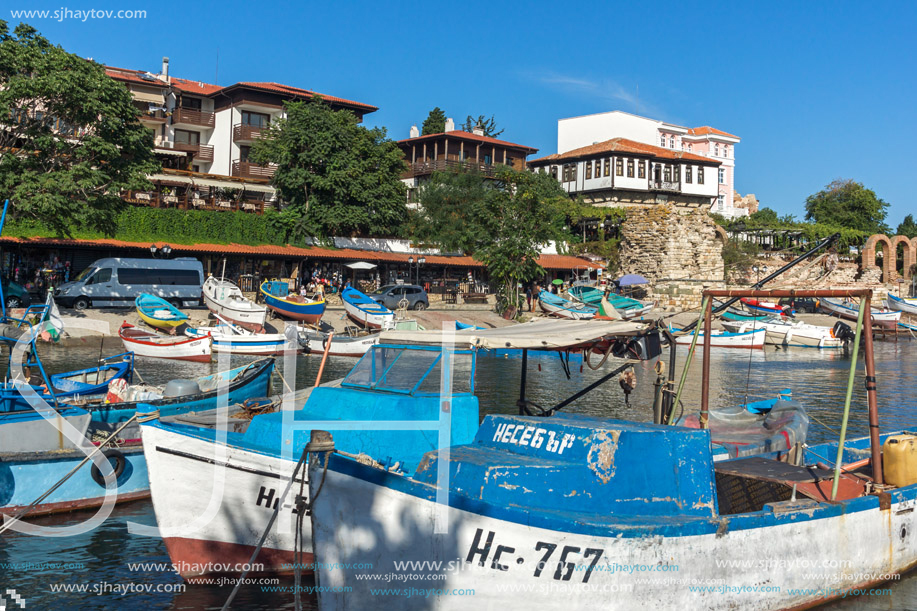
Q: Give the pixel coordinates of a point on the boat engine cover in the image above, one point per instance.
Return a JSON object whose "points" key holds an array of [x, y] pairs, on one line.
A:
{"points": [[181, 388]]}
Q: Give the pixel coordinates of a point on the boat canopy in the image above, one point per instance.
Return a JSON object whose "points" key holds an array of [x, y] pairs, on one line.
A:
{"points": [[534, 335], [414, 370]]}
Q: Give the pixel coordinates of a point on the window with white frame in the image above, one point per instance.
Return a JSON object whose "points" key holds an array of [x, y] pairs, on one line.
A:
{"points": [[720, 202], [688, 177], [671, 142], [662, 139], [690, 147], [722, 176], [716, 150]]}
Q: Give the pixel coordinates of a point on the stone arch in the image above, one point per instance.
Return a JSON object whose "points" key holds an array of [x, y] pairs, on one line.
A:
{"points": [[888, 258], [910, 254], [724, 237]]}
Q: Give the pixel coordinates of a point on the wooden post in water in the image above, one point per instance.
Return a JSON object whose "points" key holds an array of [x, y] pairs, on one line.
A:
{"points": [[321, 367], [705, 386], [850, 378], [871, 398]]}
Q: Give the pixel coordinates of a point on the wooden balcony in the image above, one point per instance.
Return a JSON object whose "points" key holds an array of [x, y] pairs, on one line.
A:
{"points": [[245, 169], [420, 168], [201, 152], [196, 118], [246, 133], [153, 116]]}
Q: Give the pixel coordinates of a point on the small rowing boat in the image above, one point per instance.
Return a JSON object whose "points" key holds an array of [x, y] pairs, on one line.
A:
{"points": [[365, 311], [555, 305], [907, 306], [225, 299], [724, 339], [227, 337], [158, 312], [849, 310], [767, 307], [177, 347], [278, 298], [341, 345], [626, 307]]}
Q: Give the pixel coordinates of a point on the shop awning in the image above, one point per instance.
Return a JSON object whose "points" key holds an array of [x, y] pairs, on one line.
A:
{"points": [[165, 151], [147, 96], [170, 178], [361, 265]]}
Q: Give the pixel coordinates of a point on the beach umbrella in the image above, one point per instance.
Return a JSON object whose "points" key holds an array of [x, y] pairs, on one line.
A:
{"points": [[631, 280], [558, 281]]}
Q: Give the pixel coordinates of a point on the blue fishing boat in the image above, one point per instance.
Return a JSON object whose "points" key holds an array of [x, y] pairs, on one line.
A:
{"points": [[35, 453], [366, 311], [625, 307], [157, 312], [277, 297], [556, 305]]}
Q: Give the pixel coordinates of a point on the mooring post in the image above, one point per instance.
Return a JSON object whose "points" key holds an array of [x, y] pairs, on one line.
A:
{"points": [[871, 398], [849, 397], [525, 367], [705, 384]]}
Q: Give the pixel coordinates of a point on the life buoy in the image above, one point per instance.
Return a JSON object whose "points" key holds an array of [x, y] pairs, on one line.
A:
{"points": [[111, 454]]}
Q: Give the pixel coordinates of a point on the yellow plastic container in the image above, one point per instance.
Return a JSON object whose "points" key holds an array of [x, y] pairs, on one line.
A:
{"points": [[899, 458]]}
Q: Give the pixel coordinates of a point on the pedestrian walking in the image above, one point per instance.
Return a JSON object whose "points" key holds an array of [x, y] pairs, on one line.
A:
{"points": [[528, 296]]}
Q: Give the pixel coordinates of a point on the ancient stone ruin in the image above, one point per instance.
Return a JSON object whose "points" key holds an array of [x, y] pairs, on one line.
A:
{"points": [[679, 251]]}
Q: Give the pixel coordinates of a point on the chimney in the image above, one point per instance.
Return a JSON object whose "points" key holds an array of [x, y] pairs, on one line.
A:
{"points": [[478, 130], [414, 131], [165, 70], [450, 125]]}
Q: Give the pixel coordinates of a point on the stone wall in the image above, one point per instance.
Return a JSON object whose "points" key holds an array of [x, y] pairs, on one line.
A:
{"points": [[679, 251]]}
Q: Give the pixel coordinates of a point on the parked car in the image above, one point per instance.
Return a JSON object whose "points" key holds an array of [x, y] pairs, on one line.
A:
{"points": [[801, 304], [15, 295], [391, 296], [117, 282]]}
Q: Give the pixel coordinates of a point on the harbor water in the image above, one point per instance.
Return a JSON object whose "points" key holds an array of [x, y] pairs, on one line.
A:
{"points": [[119, 570]]}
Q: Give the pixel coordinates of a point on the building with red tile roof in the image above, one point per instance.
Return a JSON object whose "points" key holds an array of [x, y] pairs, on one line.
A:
{"points": [[707, 146]]}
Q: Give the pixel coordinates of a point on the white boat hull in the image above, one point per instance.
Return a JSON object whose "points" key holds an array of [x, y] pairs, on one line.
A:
{"points": [[906, 306], [720, 340], [225, 299], [365, 319], [195, 350], [183, 477], [799, 334], [497, 564], [889, 320], [342, 346], [560, 312]]}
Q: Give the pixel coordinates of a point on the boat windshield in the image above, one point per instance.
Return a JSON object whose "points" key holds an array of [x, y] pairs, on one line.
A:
{"points": [[85, 274], [415, 370]]}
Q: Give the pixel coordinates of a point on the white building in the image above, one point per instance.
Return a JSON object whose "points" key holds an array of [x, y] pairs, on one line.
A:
{"points": [[203, 135], [705, 142]]}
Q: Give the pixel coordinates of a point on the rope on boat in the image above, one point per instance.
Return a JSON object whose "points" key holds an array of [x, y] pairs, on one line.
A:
{"points": [[136, 417], [267, 529], [835, 431]]}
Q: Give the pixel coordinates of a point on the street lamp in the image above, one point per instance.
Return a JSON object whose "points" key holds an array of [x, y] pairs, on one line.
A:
{"points": [[420, 261], [410, 267], [165, 251]]}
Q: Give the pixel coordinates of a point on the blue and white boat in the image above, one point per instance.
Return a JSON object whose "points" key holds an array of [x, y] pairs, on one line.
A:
{"points": [[34, 454], [725, 339], [277, 297], [366, 311], [900, 304], [573, 512], [228, 337], [849, 310], [555, 305]]}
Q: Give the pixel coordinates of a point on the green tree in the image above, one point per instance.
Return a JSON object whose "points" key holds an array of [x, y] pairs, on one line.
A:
{"points": [[435, 123], [338, 177], [503, 222], [846, 203], [488, 126], [764, 215], [907, 227], [70, 138]]}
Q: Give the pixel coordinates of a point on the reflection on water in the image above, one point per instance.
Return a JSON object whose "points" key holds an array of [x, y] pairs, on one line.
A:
{"points": [[817, 378]]}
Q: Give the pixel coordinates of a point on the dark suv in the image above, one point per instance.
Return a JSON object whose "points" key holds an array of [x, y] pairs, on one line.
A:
{"points": [[801, 304], [391, 295]]}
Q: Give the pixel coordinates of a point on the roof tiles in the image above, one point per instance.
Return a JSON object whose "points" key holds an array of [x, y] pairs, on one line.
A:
{"points": [[623, 145]]}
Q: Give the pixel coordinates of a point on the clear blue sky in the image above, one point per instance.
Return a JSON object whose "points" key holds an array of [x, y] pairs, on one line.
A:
{"points": [[816, 90]]}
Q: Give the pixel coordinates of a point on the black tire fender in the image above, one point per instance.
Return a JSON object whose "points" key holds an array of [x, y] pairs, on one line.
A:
{"points": [[111, 454]]}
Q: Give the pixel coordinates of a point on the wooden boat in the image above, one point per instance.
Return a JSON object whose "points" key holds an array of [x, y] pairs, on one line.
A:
{"points": [[178, 347], [36, 455], [767, 307], [341, 344], [278, 298], [724, 339], [780, 332], [626, 307], [846, 309], [158, 312], [555, 305], [227, 337], [898, 304], [365, 311], [537, 503], [93, 381], [225, 299]]}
